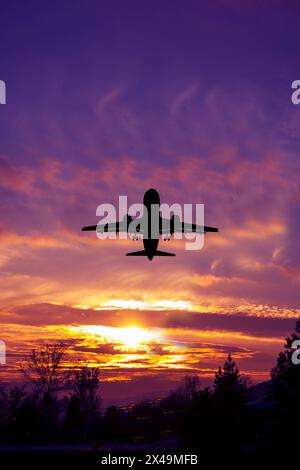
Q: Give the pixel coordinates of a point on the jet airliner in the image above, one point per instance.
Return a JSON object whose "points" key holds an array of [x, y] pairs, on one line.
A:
{"points": [[152, 228]]}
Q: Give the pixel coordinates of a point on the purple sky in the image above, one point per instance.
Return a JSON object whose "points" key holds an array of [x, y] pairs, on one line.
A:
{"points": [[193, 98]]}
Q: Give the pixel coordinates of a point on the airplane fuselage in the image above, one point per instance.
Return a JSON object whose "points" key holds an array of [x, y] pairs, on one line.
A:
{"points": [[151, 203]]}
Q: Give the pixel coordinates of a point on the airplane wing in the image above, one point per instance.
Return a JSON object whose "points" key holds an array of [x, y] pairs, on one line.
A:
{"points": [[115, 227], [175, 225], [193, 228]]}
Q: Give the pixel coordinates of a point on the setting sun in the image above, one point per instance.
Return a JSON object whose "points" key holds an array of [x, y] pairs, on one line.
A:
{"points": [[133, 337], [130, 337]]}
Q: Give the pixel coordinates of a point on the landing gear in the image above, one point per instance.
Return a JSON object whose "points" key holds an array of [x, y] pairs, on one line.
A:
{"points": [[167, 237]]}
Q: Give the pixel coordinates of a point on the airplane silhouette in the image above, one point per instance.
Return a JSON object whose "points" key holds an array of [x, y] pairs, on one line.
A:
{"points": [[163, 227]]}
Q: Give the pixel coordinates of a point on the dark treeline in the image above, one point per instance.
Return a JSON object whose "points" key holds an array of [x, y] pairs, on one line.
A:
{"points": [[62, 403]]}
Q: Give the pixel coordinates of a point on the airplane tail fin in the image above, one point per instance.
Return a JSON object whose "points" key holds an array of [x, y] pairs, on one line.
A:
{"points": [[156, 253]]}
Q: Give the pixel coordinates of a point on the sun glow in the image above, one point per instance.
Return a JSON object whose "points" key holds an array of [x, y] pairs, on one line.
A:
{"points": [[133, 337], [130, 337]]}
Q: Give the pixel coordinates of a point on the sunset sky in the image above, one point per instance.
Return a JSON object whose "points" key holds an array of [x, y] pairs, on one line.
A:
{"points": [[111, 98]]}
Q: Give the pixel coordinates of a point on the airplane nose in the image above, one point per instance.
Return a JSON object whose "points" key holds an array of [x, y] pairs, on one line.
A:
{"points": [[151, 197]]}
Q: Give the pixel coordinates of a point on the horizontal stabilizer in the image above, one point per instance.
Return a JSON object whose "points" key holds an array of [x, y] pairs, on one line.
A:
{"points": [[163, 253], [144, 253], [137, 253]]}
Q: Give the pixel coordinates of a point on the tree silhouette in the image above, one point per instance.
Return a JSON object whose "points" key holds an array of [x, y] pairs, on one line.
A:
{"points": [[113, 422], [74, 419], [228, 383], [190, 387], [197, 418], [44, 370], [10, 403], [85, 383], [285, 389], [286, 374], [229, 396]]}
